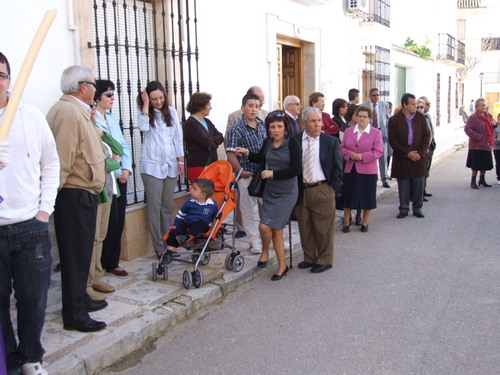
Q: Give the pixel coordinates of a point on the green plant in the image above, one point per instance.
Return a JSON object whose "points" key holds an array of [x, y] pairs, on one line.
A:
{"points": [[423, 51]]}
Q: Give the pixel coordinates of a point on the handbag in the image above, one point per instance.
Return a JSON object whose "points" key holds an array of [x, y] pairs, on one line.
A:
{"points": [[257, 184]]}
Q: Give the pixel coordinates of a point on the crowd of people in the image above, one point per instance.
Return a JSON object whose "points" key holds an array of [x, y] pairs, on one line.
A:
{"points": [[74, 163]]}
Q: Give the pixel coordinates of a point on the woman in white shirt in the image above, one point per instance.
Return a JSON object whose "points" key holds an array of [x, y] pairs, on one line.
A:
{"points": [[162, 158]]}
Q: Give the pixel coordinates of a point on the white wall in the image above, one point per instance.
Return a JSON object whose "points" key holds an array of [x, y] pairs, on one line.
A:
{"points": [[18, 27]]}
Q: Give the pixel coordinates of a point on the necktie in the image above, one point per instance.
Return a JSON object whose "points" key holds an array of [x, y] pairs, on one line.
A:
{"points": [[375, 117], [309, 161]]}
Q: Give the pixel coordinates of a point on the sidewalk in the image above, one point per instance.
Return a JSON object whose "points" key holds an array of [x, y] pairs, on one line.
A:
{"points": [[141, 310]]}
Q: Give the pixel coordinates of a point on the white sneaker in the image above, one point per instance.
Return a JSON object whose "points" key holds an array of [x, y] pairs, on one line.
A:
{"points": [[255, 249], [33, 369], [498, 182]]}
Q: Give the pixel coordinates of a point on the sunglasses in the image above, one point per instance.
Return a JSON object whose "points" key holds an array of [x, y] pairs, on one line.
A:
{"points": [[420, 107], [87, 82], [279, 114], [109, 94]]}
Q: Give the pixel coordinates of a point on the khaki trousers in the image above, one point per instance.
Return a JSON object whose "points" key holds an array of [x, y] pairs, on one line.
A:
{"points": [[101, 229], [316, 219]]}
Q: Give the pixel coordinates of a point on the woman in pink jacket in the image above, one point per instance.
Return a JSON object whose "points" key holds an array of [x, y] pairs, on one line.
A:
{"points": [[479, 128], [361, 148]]}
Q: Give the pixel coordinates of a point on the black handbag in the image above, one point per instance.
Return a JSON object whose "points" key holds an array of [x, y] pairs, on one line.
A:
{"points": [[257, 184]]}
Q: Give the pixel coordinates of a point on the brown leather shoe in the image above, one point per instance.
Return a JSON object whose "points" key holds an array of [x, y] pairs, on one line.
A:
{"points": [[95, 296], [119, 272], [102, 287]]}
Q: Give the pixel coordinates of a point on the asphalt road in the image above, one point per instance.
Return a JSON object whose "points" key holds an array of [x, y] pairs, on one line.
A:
{"points": [[411, 296]]}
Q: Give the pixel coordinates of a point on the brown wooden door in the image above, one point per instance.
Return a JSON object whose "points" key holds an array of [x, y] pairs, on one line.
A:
{"points": [[291, 71]]}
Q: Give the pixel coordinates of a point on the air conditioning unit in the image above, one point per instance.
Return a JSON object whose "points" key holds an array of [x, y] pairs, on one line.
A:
{"points": [[358, 6]]}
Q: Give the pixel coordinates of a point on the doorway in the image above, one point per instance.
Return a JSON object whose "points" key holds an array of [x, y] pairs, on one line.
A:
{"points": [[290, 75]]}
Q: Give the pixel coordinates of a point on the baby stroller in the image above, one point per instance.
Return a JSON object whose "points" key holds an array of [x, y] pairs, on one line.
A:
{"points": [[200, 249]]}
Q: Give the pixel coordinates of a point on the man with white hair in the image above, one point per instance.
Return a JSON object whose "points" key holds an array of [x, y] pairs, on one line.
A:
{"points": [[82, 178]]}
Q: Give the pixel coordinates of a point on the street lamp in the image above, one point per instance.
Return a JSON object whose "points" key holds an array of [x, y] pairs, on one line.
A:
{"points": [[481, 75]]}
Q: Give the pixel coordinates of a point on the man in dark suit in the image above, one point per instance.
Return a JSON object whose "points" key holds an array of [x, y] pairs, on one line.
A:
{"points": [[292, 108], [321, 176], [379, 120], [409, 137]]}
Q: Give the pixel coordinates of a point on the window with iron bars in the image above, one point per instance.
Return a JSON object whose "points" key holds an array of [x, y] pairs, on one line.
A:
{"points": [[136, 42], [377, 70]]}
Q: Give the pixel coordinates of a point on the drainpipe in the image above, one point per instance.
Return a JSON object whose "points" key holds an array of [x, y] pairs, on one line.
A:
{"points": [[75, 32]]}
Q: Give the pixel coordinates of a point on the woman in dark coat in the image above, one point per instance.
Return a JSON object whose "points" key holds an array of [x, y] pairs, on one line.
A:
{"points": [[479, 129], [200, 135]]}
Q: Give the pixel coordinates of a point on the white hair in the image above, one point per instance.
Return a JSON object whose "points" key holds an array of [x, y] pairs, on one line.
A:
{"points": [[72, 75]]}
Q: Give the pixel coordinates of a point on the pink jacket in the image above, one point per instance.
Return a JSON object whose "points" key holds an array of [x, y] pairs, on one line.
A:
{"points": [[370, 146]]}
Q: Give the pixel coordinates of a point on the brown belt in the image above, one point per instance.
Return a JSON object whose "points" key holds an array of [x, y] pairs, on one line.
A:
{"points": [[313, 184]]}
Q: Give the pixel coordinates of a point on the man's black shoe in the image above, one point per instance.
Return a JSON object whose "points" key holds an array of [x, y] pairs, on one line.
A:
{"points": [[427, 194], [303, 265], [418, 214], [90, 325], [386, 185], [318, 268], [92, 306], [425, 200], [402, 215]]}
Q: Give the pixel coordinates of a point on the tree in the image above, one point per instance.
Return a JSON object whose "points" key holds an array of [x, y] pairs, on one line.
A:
{"points": [[423, 51]]}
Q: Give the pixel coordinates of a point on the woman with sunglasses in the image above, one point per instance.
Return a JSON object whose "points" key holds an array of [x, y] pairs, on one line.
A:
{"points": [[283, 161], [108, 122], [361, 148], [339, 111]]}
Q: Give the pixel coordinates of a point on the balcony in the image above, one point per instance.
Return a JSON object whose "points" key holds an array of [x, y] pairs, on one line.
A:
{"points": [[380, 12], [468, 4], [446, 48]]}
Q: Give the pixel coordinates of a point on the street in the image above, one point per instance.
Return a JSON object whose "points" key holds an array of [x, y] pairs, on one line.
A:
{"points": [[411, 296]]}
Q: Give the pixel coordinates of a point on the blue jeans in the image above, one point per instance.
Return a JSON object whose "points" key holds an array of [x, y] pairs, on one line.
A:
{"points": [[25, 263]]}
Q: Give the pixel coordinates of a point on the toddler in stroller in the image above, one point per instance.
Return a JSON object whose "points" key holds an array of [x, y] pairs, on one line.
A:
{"points": [[193, 219]]}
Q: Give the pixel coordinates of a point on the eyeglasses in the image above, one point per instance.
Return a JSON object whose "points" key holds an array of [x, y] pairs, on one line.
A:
{"points": [[420, 107], [4, 76], [279, 114], [109, 94], [94, 104], [294, 104], [345, 106], [87, 82]]}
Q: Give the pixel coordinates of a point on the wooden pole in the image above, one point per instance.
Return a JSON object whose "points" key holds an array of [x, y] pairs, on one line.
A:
{"points": [[24, 73]]}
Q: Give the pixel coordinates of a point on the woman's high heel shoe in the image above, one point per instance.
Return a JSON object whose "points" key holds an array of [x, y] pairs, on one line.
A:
{"points": [[261, 264], [278, 277]]}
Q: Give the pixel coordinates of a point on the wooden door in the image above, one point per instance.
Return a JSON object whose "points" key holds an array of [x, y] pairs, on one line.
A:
{"points": [[291, 73]]}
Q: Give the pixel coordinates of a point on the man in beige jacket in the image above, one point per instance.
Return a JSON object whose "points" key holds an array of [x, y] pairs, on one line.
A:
{"points": [[81, 180]]}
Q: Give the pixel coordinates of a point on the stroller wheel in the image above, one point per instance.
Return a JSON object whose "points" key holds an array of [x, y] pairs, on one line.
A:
{"points": [[164, 269], [205, 259], [238, 263], [229, 262], [154, 274], [198, 278], [187, 279]]}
